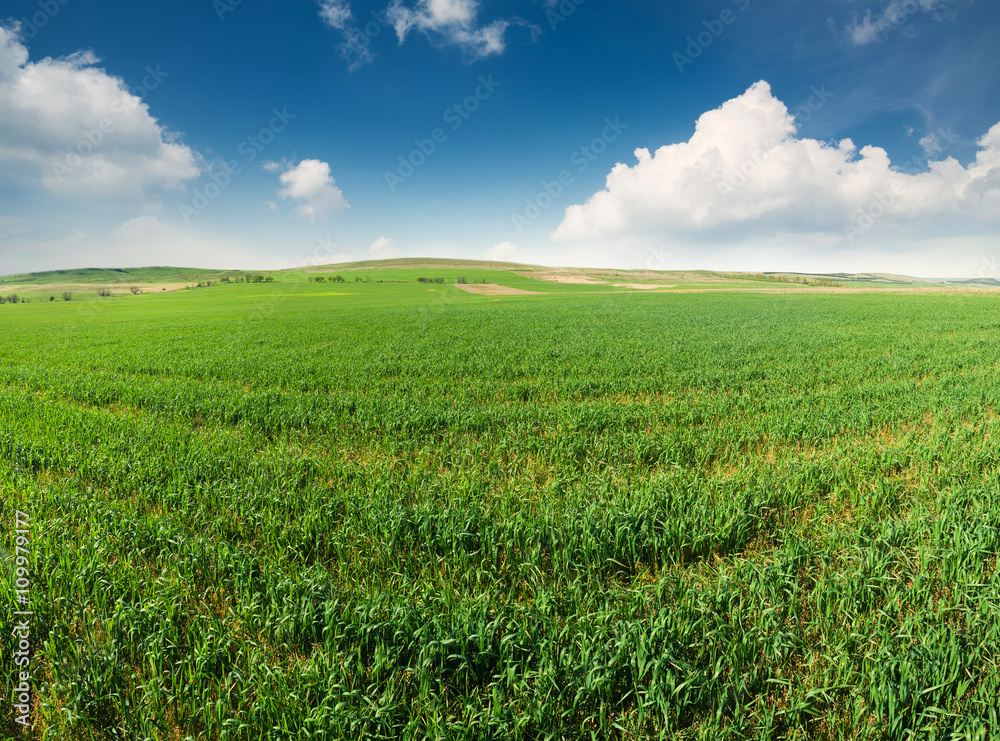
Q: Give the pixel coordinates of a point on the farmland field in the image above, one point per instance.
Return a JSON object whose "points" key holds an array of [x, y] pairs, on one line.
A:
{"points": [[403, 511]]}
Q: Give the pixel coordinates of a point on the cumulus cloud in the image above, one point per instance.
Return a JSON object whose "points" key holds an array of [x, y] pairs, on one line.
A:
{"points": [[931, 145], [453, 22], [310, 184], [383, 249], [897, 15], [81, 131], [745, 173], [504, 252]]}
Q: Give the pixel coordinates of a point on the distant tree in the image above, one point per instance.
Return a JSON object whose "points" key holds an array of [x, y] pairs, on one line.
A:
{"points": [[461, 280], [258, 278], [135, 290], [337, 279], [13, 298], [67, 296], [105, 292], [269, 279], [52, 298], [320, 279]]}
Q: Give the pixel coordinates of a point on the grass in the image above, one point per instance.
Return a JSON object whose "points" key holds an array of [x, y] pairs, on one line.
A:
{"points": [[375, 511]]}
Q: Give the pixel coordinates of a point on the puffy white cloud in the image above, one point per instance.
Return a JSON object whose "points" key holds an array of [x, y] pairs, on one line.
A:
{"points": [[745, 173], [81, 131], [383, 249], [504, 252], [931, 145], [454, 22], [895, 16], [311, 185]]}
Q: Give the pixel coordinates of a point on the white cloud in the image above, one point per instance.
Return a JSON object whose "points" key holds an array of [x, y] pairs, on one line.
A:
{"points": [[454, 22], [80, 131], [311, 185], [930, 144], [354, 48], [504, 252], [335, 13], [383, 249], [745, 174], [895, 16]]}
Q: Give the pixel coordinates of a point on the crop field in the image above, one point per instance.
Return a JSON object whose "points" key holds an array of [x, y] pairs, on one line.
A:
{"points": [[402, 511]]}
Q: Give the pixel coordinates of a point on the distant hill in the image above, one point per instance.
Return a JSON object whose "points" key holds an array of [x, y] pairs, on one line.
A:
{"points": [[416, 263], [112, 276], [975, 282], [176, 277]]}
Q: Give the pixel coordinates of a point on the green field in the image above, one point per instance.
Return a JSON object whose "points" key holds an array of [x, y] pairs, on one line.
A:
{"points": [[401, 511]]}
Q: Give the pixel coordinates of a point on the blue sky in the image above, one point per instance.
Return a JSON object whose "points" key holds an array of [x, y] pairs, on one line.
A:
{"points": [[830, 135]]}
